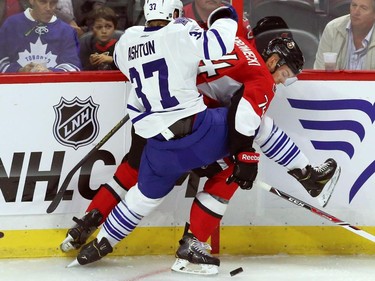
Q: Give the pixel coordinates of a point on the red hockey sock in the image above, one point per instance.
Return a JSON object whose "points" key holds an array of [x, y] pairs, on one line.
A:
{"points": [[106, 198], [126, 175], [104, 201], [202, 223]]}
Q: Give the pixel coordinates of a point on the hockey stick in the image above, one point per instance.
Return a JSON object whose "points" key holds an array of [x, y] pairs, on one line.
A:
{"points": [[316, 211], [60, 194]]}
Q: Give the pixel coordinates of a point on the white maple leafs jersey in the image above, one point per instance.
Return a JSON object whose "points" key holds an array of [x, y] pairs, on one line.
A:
{"points": [[162, 64]]}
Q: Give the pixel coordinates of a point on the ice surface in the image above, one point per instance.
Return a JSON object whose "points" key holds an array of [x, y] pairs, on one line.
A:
{"points": [[157, 268]]}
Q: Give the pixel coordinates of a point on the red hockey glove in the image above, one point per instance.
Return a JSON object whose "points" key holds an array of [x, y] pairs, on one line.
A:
{"points": [[245, 169]]}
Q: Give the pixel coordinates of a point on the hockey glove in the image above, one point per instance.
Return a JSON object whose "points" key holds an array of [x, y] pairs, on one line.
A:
{"points": [[222, 12], [245, 169]]}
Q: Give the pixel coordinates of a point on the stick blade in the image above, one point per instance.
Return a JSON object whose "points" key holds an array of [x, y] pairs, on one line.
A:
{"points": [[52, 207], [55, 201]]}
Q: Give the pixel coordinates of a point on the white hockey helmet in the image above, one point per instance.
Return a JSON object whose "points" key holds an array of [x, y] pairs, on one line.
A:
{"points": [[161, 9]]}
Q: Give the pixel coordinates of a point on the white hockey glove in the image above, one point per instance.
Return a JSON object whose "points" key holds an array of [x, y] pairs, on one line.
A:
{"points": [[222, 12]]}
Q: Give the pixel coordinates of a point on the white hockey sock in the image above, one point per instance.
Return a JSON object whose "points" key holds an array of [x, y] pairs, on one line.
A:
{"points": [[119, 224], [280, 148]]}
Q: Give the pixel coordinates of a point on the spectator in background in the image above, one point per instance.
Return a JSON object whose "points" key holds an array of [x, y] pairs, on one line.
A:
{"points": [[37, 41], [64, 11], [11, 7], [199, 10], [96, 48], [351, 37], [83, 9]]}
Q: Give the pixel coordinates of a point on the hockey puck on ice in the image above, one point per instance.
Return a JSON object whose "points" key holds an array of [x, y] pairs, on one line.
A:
{"points": [[1, 234], [236, 271]]}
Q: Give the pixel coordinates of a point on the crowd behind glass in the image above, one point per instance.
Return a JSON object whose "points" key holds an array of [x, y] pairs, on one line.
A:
{"points": [[305, 19]]}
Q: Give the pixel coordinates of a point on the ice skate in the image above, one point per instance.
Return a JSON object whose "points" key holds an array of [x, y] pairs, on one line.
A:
{"points": [[192, 257], [78, 234], [92, 252], [319, 181]]}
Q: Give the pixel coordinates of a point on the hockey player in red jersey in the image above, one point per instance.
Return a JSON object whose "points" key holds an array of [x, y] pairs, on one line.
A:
{"points": [[244, 71], [241, 78]]}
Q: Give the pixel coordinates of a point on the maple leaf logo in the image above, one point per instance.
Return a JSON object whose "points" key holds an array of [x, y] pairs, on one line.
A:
{"points": [[38, 54]]}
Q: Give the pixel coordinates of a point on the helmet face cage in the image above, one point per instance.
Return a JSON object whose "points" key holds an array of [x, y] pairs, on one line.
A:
{"points": [[288, 51], [161, 9]]}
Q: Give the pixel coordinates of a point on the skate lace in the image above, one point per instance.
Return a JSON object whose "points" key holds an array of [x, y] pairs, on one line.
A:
{"points": [[322, 168], [201, 247]]}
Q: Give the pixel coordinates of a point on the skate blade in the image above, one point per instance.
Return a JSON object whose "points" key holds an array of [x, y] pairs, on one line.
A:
{"points": [[73, 263], [326, 194], [66, 245], [184, 266]]}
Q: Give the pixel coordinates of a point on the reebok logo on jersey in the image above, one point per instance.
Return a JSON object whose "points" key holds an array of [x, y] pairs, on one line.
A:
{"points": [[249, 157]]}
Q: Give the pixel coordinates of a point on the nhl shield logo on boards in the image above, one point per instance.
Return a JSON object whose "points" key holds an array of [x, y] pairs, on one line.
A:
{"points": [[76, 122]]}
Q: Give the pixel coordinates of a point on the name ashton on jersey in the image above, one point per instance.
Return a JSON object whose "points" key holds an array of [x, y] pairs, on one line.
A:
{"points": [[140, 50]]}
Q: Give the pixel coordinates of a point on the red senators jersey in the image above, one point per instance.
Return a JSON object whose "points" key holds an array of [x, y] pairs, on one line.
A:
{"points": [[242, 70]]}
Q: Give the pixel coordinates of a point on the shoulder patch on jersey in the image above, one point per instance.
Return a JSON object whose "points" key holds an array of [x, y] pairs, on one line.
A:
{"points": [[181, 20]]}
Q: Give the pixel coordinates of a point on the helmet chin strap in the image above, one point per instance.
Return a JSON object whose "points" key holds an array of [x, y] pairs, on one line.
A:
{"points": [[290, 81]]}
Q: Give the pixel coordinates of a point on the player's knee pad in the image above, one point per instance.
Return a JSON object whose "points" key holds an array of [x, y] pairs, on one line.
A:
{"points": [[139, 203], [115, 188], [211, 204]]}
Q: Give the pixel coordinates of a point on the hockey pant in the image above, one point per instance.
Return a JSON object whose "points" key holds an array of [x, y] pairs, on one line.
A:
{"points": [[210, 204], [125, 177]]}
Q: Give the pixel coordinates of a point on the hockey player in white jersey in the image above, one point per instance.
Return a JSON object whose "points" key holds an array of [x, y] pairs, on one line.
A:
{"points": [[161, 61]]}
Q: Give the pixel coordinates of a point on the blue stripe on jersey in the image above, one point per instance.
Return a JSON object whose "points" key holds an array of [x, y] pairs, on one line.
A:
{"points": [[205, 46], [129, 106], [220, 40], [144, 114]]}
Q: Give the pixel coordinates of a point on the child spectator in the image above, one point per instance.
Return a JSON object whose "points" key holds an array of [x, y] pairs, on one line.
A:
{"points": [[97, 46], [83, 10]]}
